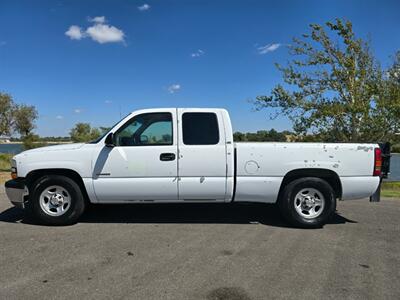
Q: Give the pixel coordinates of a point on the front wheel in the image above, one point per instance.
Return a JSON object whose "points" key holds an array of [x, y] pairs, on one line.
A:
{"points": [[307, 202], [56, 200]]}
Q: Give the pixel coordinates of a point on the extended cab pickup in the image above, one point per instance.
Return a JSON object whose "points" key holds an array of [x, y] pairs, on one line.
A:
{"points": [[188, 155]]}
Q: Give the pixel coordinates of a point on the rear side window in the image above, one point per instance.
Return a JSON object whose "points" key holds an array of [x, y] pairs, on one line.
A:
{"points": [[200, 129]]}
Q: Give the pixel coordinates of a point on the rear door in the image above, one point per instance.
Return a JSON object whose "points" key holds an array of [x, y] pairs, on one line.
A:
{"points": [[201, 155]]}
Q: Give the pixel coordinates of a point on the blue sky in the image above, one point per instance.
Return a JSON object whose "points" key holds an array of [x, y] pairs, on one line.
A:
{"points": [[163, 54]]}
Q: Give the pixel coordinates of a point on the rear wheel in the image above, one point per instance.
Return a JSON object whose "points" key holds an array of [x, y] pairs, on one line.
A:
{"points": [[307, 202], [56, 200]]}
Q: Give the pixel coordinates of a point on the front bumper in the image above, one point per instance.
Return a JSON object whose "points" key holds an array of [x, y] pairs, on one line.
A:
{"points": [[16, 191]]}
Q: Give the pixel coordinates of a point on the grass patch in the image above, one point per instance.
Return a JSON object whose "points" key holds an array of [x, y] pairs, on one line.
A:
{"points": [[4, 176], [391, 189], [5, 165]]}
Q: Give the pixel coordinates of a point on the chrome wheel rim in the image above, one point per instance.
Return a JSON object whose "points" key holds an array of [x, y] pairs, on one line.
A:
{"points": [[55, 200], [309, 203]]}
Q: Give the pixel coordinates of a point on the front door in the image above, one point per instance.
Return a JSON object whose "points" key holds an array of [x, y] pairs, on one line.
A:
{"points": [[143, 164], [202, 155]]}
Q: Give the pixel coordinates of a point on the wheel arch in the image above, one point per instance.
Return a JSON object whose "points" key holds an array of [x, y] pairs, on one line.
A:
{"points": [[34, 175], [328, 175]]}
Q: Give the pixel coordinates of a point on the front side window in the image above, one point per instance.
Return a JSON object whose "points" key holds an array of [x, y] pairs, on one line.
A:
{"points": [[200, 129], [146, 130]]}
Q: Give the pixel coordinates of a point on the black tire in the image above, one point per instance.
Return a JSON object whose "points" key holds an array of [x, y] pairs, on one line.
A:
{"points": [[287, 202], [77, 201]]}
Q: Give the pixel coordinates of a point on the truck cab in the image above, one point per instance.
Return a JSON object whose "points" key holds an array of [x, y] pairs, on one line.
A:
{"points": [[167, 155]]}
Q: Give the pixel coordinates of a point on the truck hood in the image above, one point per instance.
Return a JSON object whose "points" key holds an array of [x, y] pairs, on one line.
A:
{"points": [[61, 147]]}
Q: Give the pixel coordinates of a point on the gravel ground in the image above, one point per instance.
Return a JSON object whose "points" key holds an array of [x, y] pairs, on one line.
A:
{"points": [[202, 252]]}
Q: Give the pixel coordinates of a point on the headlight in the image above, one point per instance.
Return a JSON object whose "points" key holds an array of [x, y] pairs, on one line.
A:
{"points": [[13, 163]]}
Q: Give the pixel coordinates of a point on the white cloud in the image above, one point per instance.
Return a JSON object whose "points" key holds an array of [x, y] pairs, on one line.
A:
{"points": [[101, 19], [74, 32], [103, 33], [59, 117], [268, 48], [173, 88], [98, 32], [108, 102], [198, 53], [78, 110], [144, 7]]}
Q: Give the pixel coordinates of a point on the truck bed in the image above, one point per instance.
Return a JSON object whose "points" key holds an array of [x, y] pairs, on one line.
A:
{"points": [[264, 165]]}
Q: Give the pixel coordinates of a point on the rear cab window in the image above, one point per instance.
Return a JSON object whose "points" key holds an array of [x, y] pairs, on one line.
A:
{"points": [[200, 128]]}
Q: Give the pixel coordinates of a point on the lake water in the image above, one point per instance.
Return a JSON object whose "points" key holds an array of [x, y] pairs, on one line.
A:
{"points": [[394, 163], [395, 167], [10, 148]]}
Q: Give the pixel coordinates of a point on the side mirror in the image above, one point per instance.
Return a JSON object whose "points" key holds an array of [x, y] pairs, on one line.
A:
{"points": [[109, 141]]}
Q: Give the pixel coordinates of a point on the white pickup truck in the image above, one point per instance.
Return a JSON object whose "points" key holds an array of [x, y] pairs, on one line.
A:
{"points": [[179, 155]]}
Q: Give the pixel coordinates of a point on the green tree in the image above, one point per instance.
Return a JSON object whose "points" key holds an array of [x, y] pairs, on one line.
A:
{"points": [[239, 137], [386, 111], [31, 141], [7, 108], [24, 119], [83, 132], [331, 86]]}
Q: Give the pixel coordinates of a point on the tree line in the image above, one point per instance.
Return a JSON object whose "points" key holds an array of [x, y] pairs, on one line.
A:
{"points": [[83, 132], [263, 136]]}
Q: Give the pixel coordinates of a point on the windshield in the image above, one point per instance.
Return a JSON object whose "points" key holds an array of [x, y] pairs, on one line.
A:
{"points": [[106, 132]]}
